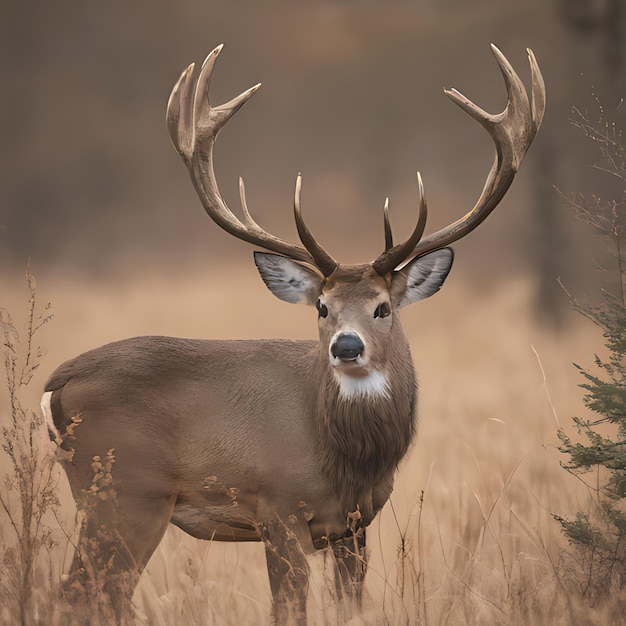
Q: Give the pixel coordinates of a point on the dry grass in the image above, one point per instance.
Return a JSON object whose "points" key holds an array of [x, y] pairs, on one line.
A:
{"points": [[468, 536]]}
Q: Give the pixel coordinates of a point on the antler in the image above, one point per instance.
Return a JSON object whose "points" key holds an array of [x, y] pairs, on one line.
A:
{"points": [[194, 124], [512, 132], [394, 255]]}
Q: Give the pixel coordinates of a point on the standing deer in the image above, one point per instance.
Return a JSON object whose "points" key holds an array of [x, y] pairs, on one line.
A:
{"points": [[292, 443]]}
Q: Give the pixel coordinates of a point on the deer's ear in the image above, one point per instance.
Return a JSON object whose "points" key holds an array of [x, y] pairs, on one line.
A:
{"points": [[422, 277], [291, 281]]}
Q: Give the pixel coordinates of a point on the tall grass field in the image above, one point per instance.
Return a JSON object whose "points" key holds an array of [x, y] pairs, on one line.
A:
{"points": [[469, 534]]}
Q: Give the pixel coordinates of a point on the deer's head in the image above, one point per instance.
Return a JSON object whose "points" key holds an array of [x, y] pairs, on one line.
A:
{"points": [[357, 305]]}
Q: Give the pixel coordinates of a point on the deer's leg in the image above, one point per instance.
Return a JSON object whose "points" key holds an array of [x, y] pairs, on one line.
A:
{"points": [[119, 533], [288, 572], [350, 565]]}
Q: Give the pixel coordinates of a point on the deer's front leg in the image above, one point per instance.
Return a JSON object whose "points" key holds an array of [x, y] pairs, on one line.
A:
{"points": [[288, 572], [350, 566]]}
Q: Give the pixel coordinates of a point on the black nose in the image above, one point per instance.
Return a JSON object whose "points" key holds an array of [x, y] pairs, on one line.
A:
{"points": [[347, 347]]}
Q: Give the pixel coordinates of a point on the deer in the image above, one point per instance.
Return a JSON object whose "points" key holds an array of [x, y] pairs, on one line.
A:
{"points": [[294, 444]]}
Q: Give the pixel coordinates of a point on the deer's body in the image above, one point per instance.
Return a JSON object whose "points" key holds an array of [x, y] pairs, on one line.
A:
{"points": [[210, 410], [294, 443]]}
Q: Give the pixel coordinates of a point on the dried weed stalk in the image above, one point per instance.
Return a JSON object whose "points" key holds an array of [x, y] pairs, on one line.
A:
{"points": [[28, 492]]}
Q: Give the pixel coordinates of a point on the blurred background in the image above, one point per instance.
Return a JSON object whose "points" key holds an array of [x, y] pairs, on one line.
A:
{"points": [[352, 97]]}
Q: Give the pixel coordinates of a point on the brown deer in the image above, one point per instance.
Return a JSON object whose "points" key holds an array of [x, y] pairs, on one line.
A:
{"points": [[293, 443]]}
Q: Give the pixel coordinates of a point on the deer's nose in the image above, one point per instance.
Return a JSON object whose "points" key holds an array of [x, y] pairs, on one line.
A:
{"points": [[347, 347]]}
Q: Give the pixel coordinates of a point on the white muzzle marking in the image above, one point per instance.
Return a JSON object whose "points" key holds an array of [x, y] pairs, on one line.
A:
{"points": [[373, 385], [356, 381]]}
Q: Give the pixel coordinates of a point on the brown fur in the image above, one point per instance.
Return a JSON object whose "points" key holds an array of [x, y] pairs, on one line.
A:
{"points": [[363, 440], [241, 440]]}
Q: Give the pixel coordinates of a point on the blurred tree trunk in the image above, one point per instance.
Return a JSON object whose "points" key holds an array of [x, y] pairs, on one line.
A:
{"points": [[598, 27], [550, 245]]}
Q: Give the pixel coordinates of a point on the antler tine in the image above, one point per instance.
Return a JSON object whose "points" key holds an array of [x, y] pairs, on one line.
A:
{"points": [[179, 113], [323, 260], [194, 124], [395, 255], [538, 87], [248, 219], [387, 227], [512, 132]]}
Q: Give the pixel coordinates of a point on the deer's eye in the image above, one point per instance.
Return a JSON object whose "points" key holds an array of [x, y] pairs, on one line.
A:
{"points": [[322, 309], [382, 310]]}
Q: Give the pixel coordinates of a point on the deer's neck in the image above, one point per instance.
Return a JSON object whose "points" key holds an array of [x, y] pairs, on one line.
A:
{"points": [[366, 427]]}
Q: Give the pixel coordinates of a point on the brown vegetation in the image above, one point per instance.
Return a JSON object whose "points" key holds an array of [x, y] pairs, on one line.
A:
{"points": [[468, 535]]}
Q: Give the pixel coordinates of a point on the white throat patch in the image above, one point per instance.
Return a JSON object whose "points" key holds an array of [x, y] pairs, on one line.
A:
{"points": [[374, 385]]}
